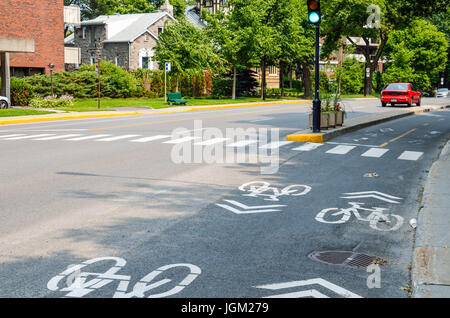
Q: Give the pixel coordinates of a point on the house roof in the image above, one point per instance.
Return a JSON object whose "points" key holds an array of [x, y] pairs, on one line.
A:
{"points": [[192, 16], [127, 27]]}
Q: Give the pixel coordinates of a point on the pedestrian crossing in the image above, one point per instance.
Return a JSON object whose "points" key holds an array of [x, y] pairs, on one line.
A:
{"points": [[328, 148]]}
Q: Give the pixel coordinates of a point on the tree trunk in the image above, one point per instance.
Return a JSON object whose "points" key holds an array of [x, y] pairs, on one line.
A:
{"points": [[233, 94], [281, 78], [178, 81], [290, 76], [263, 84], [307, 82], [193, 85]]}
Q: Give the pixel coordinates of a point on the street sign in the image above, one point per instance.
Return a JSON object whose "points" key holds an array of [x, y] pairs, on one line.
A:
{"points": [[168, 67]]}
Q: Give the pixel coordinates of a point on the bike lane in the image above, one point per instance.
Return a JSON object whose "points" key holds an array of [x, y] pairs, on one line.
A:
{"points": [[263, 251]]}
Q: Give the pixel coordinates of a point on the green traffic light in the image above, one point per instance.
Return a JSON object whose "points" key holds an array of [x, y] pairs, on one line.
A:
{"points": [[313, 17]]}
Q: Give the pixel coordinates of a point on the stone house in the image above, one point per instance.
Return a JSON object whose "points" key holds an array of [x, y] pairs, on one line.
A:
{"points": [[127, 40]]}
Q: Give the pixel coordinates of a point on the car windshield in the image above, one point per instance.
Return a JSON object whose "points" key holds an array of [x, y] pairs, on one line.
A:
{"points": [[443, 90], [397, 86]]}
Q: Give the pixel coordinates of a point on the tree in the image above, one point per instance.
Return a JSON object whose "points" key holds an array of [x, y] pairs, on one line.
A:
{"points": [[232, 40], [417, 54], [188, 49], [347, 19]]}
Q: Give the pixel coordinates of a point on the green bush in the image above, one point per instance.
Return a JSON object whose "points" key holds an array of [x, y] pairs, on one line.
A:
{"points": [[51, 102], [323, 81], [352, 76], [21, 92]]}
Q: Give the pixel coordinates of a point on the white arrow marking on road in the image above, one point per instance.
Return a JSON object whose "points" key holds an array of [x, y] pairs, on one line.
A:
{"points": [[252, 209], [310, 292], [372, 194]]}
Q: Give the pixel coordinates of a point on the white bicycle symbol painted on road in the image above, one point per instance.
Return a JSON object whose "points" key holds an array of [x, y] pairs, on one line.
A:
{"points": [[263, 189], [76, 283], [376, 218]]}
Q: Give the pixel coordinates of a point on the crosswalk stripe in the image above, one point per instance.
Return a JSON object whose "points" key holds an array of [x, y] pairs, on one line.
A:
{"points": [[29, 136], [5, 136], [58, 137], [308, 146], [276, 144], [341, 150], [375, 152], [118, 138], [180, 140], [410, 155], [211, 142], [243, 143], [87, 137], [152, 138]]}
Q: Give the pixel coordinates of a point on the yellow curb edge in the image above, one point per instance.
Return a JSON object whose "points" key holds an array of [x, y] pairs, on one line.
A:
{"points": [[317, 138]]}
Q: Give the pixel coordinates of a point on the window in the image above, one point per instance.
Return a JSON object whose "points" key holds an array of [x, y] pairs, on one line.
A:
{"points": [[160, 30], [83, 31], [116, 60], [92, 60], [273, 70], [145, 62]]}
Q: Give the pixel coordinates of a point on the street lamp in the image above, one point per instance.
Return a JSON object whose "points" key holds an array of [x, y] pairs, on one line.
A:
{"points": [[51, 66]]}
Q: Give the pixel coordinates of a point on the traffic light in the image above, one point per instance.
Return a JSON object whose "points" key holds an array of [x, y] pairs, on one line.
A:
{"points": [[314, 16]]}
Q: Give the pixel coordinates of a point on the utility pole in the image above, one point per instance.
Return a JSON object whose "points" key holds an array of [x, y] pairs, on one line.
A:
{"points": [[98, 90]]}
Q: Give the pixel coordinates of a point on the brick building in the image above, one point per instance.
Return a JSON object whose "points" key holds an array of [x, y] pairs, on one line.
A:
{"points": [[38, 20]]}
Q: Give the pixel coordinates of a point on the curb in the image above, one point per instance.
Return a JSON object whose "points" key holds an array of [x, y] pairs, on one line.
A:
{"points": [[307, 136], [87, 116]]}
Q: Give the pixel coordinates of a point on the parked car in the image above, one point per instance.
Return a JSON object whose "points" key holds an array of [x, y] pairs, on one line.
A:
{"points": [[442, 92], [400, 93], [4, 102]]}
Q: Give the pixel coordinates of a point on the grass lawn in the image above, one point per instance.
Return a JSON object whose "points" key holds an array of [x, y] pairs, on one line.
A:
{"points": [[91, 104], [22, 112]]}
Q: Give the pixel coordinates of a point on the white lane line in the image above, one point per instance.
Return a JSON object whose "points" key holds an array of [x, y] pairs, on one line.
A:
{"points": [[118, 138], [350, 144], [152, 138], [410, 155], [211, 142], [58, 137], [180, 140], [276, 144], [242, 143], [5, 136], [308, 146], [87, 137], [30, 136], [375, 152], [341, 150]]}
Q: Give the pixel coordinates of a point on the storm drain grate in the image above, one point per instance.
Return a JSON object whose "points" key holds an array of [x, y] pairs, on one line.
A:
{"points": [[345, 258]]}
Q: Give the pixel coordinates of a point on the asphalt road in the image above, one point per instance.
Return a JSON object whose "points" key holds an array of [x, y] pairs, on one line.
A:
{"points": [[109, 191]]}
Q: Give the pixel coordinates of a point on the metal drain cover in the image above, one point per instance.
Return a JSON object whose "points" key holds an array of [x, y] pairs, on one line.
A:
{"points": [[345, 258]]}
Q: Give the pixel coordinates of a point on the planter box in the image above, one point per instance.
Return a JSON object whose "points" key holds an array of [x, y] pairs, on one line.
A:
{"points": [[331, 120], [339, 118], [324, 119]]}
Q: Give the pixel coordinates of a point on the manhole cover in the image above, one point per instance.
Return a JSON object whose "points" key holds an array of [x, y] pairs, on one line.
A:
{"points": [[345, 258]]}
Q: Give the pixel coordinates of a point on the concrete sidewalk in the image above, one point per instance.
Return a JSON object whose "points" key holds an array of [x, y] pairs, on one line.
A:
{"points": [[360, 122], [431, 260]]}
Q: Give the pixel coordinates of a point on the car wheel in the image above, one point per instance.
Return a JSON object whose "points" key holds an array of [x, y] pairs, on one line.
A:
{"points": [[410, 102], [418, 103], [383, 104], [3, 104]]}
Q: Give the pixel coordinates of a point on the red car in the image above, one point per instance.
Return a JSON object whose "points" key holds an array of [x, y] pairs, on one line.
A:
{"points": [[400, 93]]}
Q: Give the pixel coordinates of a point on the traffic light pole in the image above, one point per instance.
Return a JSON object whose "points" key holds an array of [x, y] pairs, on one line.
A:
{"points": [[316, 101]]}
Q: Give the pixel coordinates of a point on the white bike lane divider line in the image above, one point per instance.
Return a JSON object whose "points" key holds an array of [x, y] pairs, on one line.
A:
{"points": [[311, 292], [76, 283]]}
